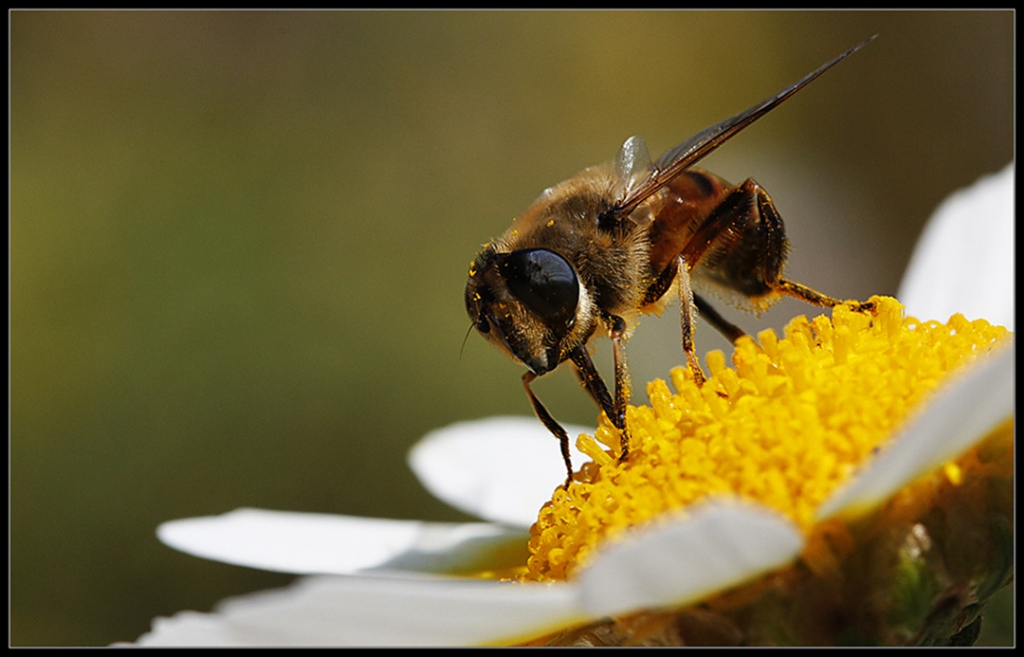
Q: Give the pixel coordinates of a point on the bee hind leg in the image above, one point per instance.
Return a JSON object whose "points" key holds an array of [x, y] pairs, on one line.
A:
{"points": [[746, 237], [731, 332], [774, 242], [804, 293]]}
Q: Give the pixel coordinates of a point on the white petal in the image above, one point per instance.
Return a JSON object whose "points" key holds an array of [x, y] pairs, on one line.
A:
{"points": [[346, 611], [963, 262], [500, 468], [959, 415], [675, 562], [313, 543], [678, 561]]}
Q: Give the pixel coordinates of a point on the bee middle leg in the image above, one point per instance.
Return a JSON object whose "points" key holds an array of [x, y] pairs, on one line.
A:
{"points": [[688, 319], [677, 272]]}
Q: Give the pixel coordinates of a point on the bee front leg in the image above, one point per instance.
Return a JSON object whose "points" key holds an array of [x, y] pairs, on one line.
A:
{"points": [[591, 378], [552, 426]]}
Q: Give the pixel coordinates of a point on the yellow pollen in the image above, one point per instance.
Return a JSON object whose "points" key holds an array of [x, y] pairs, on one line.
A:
{"points": [[953, 473], [784, 426]]}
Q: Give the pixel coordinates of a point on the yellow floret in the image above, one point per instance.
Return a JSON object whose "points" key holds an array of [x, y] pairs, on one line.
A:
{"points": [[788, 423]]}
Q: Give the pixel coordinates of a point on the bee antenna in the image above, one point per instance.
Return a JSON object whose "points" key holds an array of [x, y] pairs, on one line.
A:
{"points": [[465, 339]]}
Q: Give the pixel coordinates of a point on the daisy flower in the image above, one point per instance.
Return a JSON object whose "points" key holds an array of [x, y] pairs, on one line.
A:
{"points": [[848, 482]]}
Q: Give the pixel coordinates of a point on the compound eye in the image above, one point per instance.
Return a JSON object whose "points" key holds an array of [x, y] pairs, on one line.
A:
{"points": [[546, 284]]}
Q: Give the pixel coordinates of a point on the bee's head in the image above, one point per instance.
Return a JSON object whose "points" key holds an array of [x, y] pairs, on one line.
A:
{"points": [[530, 303]]}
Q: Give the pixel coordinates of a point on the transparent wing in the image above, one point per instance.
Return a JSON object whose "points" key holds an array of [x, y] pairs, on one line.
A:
{"points": [[688, 153], [632, 165]]}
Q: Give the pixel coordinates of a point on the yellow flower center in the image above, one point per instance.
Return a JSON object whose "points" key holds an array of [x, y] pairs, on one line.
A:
{"points": [[784, 427]]}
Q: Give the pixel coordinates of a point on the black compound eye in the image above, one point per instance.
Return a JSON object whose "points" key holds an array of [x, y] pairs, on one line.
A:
{"points": [[546, 284]]}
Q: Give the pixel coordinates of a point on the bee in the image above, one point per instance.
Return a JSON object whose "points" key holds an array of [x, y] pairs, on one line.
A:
{"points": [[621, 239]]}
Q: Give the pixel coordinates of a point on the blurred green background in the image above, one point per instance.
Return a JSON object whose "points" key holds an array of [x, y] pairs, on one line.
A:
{"points": [[239, 242]]}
